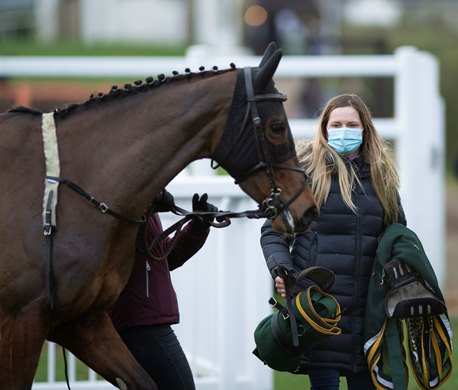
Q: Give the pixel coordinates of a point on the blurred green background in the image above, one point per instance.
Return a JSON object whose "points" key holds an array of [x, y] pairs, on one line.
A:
{"points": [[428, 25]]}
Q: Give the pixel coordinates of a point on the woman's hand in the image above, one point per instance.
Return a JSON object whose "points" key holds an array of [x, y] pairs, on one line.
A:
{"points": [[280, 286]]}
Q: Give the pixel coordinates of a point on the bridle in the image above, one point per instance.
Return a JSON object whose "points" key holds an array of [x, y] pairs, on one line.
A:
{"points": [[272, 205]]}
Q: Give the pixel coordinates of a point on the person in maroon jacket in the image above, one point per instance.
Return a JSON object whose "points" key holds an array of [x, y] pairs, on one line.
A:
{"points": [[147, 307]]}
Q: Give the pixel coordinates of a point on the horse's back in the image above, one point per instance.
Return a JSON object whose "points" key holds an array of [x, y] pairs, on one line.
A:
{"points": [[22, 321], [21, 155], [20, 130], [21, 189]]}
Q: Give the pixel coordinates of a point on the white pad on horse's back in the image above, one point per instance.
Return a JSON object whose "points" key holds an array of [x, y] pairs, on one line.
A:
{"points": [[51, 152]]}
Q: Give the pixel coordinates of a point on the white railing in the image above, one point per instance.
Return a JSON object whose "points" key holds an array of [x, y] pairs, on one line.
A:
{"points": [[223, 291], [90, 381]]}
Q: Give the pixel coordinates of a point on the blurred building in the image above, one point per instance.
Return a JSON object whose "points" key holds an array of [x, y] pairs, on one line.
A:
{"points": [[300, 26], [17, 18], [108, 21], [156, 22], [212, 26]]}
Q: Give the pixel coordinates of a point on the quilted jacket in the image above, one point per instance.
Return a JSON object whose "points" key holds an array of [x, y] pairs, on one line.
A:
{"points": [[346, 243]]}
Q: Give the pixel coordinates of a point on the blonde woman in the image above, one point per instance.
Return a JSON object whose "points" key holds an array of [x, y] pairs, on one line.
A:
{"points": [[355, 184]]}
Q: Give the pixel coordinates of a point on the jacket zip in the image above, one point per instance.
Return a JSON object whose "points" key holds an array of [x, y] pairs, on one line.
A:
{"points": [[312, 255], [358, 255], [147, 269]]}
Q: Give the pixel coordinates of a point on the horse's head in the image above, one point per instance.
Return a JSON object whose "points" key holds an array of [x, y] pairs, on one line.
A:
{"points": [[257, 148]]}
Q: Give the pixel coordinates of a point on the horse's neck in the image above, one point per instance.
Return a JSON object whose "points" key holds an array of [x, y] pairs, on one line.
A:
{"points": [[130, 148]]}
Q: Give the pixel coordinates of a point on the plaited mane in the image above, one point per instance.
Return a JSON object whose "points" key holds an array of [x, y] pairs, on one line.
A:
{"points": [[137, 86]]}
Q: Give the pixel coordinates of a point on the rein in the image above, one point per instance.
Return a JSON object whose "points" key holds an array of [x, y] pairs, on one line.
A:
{"points": [[222, 218]]}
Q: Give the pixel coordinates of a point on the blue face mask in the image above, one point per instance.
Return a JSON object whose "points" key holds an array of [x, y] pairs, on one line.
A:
{"points": [[345, 140]]}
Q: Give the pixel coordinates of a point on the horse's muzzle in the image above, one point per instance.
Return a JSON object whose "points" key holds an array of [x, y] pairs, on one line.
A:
{"points": [[300, 226], [310, 214]]}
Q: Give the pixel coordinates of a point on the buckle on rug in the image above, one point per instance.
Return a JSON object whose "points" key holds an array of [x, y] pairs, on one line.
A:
{"points": [[409, 294]]}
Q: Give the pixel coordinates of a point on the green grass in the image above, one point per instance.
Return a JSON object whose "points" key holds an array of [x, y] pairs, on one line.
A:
{"points": [[78, 48], [82, 371]]}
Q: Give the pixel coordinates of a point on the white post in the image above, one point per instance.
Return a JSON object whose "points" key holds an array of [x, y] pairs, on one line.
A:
{"points": [[96, 19], [420, 151], [217, 27], [205, 22], [46, 19]]}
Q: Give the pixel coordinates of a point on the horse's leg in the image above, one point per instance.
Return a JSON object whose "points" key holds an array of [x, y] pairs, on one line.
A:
{"points": [[21, 341], [94, 340]]}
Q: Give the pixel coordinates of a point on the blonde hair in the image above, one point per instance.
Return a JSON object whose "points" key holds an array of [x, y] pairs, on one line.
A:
{"points": [[321, 161]]}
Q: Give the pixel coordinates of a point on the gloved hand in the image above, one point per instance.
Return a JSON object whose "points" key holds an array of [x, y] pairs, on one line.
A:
{"points": [[164, 201], [201, 204]]}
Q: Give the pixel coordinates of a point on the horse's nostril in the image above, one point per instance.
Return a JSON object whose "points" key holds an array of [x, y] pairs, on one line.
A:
{"points": [[311, 213]]}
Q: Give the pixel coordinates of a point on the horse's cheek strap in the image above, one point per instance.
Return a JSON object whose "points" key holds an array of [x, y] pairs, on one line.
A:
{"points": [[261, 143]]}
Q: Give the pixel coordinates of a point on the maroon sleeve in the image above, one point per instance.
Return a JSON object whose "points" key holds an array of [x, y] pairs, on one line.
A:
{"points": [[187, 243], [146, 237], [182, 246]]}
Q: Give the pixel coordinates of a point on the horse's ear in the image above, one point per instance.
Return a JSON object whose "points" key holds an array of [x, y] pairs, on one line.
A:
{"points": [[268, 53], [266, 72]]}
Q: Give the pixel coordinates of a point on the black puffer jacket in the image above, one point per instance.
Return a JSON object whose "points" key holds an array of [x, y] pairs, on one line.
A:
{"points": [[344, 242]]}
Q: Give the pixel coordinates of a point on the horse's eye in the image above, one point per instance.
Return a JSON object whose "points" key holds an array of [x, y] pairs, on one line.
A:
{"points": [[277, 127]]}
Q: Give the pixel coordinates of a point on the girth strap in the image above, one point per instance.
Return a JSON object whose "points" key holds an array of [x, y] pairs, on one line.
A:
{"points": [[49, 271], [51, 152], [261, 145]]}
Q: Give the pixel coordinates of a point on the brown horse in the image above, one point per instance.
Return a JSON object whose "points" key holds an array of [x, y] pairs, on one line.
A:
{"points": [[125, 146]]}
